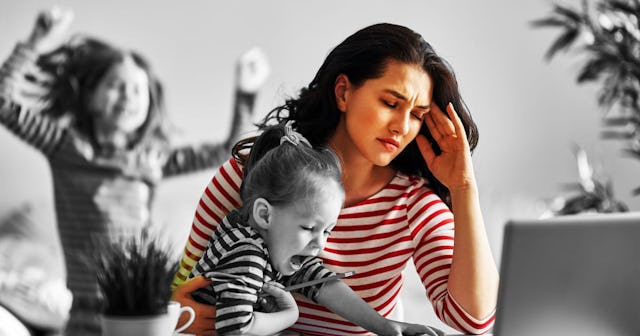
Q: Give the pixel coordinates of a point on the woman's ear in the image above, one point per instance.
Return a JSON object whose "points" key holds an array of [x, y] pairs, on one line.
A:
{"points": [[341, 89], [262, 210]]}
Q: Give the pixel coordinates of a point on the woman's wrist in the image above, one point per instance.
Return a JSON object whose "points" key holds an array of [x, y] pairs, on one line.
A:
{"points": [[468, 185]]}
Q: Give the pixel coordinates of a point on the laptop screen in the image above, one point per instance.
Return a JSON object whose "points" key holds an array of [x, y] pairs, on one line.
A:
{"points": [[570, 275]]}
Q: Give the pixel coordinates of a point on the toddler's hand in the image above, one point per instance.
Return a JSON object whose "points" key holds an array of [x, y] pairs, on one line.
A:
{"points": [[402, 328], [278, 299], [252, 70], [49, 29]]}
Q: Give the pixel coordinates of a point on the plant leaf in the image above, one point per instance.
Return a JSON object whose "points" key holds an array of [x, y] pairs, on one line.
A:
{"points": [[563, 42]]}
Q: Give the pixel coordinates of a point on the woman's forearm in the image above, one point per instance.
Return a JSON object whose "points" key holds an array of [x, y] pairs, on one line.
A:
{"points": [[473, 279]]}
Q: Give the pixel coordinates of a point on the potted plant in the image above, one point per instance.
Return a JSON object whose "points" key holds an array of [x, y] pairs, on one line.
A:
{"points": [[134, 276], [607, 34], [593, 193]]}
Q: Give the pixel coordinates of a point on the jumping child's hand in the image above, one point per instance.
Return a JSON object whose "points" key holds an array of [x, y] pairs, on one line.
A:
{"points": [[49, 29], [252, 70]]}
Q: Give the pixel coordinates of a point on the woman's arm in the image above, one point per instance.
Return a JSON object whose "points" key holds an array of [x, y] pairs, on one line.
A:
{"points": [[473, 278]]}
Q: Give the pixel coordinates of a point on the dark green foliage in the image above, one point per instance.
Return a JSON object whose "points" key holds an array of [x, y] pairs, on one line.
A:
{"points": [[607, 33], [134, 275]]}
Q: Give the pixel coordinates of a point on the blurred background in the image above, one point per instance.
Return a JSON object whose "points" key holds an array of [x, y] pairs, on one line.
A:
{"points": [[530, 112]]}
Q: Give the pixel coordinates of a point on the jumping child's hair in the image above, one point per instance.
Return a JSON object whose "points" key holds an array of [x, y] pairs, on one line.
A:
{"points": [[76, 69], [283, 168]]}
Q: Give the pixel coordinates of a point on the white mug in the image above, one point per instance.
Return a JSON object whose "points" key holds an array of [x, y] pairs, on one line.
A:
{"points": [[175, 311], [155, 325]]}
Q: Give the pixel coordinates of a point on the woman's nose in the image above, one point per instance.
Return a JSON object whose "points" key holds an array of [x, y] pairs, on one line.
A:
{"points": [[400, 123]]}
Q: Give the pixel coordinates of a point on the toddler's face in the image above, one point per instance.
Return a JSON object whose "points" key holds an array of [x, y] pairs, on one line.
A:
{"points": [[301, 229], [120, 101]]}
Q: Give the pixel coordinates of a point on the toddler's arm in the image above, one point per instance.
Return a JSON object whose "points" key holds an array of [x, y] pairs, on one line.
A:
{"points": [[342, 300], [284, 316]]}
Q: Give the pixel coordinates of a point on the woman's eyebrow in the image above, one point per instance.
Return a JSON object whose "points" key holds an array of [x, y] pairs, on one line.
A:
{"points": [[403, 98]]}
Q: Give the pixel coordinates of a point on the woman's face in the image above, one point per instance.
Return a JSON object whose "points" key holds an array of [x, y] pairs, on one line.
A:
{"points": [[120, 101], [383, 115]]}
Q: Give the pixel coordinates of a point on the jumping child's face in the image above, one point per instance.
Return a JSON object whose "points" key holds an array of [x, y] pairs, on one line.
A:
{"points": [[120, 101], [300, 230]]}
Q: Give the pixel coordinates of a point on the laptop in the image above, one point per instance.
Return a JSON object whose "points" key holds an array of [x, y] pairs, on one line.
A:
{"points": [[570, 275]]}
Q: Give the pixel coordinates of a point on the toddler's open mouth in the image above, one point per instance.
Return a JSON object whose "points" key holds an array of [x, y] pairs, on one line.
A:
{"points": [[297, 261]]}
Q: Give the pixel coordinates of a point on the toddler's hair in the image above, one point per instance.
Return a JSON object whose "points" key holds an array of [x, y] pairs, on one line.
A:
{"points": [[76, 69], [283, 168]]}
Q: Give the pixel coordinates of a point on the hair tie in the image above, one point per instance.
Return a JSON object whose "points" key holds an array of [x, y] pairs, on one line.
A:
{"points": [[292, 136]]}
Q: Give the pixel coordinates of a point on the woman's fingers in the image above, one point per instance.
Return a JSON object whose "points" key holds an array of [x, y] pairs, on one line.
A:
{"points": [[425, 149], [440, 122], [456, 122], [205, 321], [192, 284], [447, 129]]}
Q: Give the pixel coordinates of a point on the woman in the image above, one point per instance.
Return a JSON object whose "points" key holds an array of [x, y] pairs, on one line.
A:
{"points": [[390, 108]]}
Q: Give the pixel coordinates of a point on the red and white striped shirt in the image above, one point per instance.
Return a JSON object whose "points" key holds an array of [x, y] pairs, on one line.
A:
{"points": [[375, 237]]}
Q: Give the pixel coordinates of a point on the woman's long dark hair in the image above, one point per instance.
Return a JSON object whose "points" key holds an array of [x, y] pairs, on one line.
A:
{"points": [[76, 69], [363, 56]]}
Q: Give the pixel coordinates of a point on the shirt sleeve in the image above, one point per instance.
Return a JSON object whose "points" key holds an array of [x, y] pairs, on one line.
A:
{"points": [[220, 196], [237, 278], [432, 226], [188, 159], [35, 129], [16, 69], [311, 269], [17, 112]]}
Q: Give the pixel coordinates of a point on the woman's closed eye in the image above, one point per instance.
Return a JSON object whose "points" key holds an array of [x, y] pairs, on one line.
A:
{"points": [[389, 103], [418, 114]]}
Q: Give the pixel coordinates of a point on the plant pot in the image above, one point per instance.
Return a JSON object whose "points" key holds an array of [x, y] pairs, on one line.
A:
{"points": [[154, 325]]}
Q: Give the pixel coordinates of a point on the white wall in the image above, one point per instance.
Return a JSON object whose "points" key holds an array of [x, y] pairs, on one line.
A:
{"points": [[529, 111]]}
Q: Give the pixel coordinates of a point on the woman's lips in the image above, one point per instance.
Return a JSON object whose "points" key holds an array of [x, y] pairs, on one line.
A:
{"points": [[390, 144]]}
